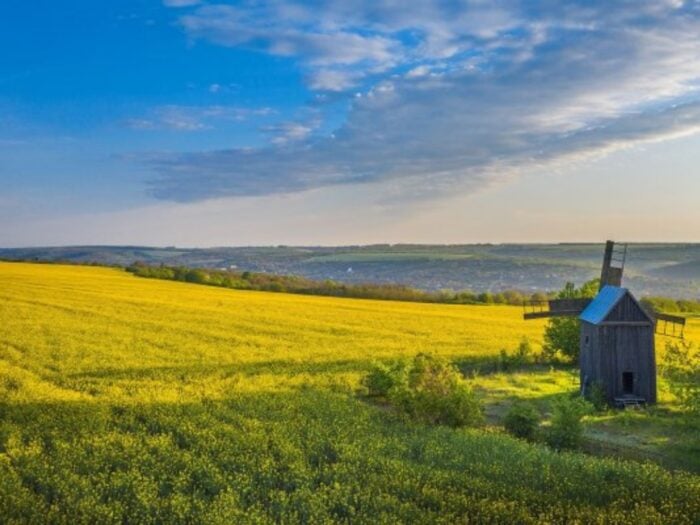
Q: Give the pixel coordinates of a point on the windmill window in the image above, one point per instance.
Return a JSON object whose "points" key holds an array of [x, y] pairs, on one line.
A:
{"points": [[587, 340]]}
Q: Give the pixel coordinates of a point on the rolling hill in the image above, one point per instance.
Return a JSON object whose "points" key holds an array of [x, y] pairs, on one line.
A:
{"points": [[136, 400], [483, 267]]}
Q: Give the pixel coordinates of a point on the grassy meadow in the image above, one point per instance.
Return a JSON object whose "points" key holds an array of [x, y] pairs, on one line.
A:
{"points": [[135, 400]]}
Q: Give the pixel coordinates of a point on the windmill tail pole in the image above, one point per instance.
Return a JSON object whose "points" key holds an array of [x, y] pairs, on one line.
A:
{"points": [[607, 263]]}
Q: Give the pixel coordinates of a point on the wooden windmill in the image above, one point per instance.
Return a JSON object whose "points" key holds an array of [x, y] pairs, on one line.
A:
{"points": [[617, 350]]}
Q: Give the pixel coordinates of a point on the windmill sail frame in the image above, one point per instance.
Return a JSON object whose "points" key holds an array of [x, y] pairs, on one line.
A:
{"points": [[554, 308], [673, 325]]}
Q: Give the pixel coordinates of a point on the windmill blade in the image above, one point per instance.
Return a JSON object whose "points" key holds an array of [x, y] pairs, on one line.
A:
{"points": [[613, 264], [554, 308], [670, 325]]}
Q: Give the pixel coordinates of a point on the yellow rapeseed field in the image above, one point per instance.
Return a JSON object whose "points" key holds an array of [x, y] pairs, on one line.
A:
{"points": [[125, 399], [86, 331]]}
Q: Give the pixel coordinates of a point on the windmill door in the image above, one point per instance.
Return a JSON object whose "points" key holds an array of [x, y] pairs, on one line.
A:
{"points": [[628, 383]]}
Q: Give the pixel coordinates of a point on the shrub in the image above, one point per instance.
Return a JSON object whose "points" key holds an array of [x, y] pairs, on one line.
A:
{"points": [[504, 360], [522, 420], [521, 357], [436, 392], [566, 430], [596, 396], [382, 378], [524, 351]]}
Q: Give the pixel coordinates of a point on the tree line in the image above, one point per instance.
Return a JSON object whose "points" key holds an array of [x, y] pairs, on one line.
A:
{"points": [[245, 280]]}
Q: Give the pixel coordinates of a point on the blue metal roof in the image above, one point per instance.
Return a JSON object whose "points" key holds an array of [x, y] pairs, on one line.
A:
{"points": [[604, 302]]}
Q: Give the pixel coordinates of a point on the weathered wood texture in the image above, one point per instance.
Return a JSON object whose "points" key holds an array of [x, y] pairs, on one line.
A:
{"points": [[622, 343]]}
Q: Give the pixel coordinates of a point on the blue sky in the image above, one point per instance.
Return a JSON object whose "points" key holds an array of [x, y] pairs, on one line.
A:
{"points": [[203, 123]]}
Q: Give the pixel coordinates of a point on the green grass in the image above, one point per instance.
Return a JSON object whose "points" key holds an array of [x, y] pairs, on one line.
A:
{"points": [[659, 434]]}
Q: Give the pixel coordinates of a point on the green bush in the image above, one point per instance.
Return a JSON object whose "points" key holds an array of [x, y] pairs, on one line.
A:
{"points": [[434, 391], [521, 357], [522, 421], [382, 378], [596, 396], [566, 430]]}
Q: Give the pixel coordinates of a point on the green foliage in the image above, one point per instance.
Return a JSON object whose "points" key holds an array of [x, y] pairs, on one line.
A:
{"points": [[566, 429], [588, 290], [431, 390], [562, 335], [197, 277], [295, 284], [485, 297], [437, 393], [522, 421], [668, 305], [596, 396], [382, 378], [682, 369], [522, 356]]}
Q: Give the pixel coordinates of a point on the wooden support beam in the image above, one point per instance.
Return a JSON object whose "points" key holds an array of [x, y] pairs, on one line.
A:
{"points": [[625, 323], [676, 319], [550, 313]]}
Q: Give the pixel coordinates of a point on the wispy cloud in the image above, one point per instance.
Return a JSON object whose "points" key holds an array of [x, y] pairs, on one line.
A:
{"points": [[192, 118], [181, 3], [453, 97], [332, 53], [286, 133]]}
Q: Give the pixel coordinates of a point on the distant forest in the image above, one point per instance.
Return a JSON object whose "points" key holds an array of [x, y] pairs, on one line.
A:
{"points": [[301, 285], [662, 270], [396, 292]]}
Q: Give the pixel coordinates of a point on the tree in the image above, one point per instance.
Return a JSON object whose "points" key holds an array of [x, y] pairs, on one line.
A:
{"points": [[486, 297], [562, 333], [196, 276]]}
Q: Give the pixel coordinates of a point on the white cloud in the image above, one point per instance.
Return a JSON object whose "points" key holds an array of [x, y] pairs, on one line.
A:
{"points": [[515, 88], [418, 71], [334, 56], [290, 132], [332, 80]]}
